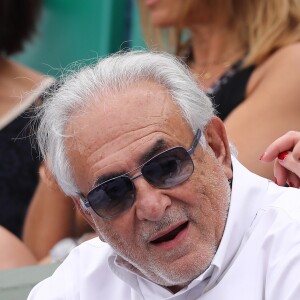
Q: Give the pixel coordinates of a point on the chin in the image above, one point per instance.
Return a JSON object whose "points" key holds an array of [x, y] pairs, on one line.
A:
{"points": [[161, 21]]}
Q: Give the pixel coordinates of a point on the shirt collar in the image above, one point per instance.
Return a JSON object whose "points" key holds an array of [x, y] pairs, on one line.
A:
{"points": [[144, 287], [242, 211]]}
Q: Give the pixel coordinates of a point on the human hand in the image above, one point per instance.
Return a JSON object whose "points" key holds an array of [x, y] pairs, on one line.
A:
{"points": [[286, 153]]}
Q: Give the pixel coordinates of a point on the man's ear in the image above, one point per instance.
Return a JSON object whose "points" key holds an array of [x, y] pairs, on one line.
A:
{"points": [[85, 213], [87, 216], [216, 138]]}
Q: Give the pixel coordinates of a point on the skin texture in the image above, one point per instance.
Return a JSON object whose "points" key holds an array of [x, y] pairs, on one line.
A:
{"points": [[105, 141], [286, 153]]}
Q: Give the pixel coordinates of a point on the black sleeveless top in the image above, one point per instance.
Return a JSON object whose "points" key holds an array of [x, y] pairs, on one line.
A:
{"points": [[229, 91], [19, 165]]}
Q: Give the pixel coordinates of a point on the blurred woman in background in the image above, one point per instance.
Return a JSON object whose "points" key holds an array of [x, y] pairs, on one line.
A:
{"points": [[19, 162], [246, 56]]}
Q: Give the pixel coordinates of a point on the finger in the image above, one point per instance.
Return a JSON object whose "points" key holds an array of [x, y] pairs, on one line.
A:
{"points": [[280, 173], [289, 163], [296, 152], [284, 143], [293, 180]]}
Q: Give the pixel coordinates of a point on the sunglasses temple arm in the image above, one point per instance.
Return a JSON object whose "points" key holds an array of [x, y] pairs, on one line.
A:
{"points": [[83, 199], [195, 142]]}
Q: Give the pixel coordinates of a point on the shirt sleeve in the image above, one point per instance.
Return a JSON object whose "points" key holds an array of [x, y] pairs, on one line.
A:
{"points": [[62, 285], [46, 290], [283, 275]]}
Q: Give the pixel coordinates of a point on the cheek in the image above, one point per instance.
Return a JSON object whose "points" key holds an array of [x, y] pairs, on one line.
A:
{"points": [[210, 186], [118, 232], [123, 242], [216, 192]]}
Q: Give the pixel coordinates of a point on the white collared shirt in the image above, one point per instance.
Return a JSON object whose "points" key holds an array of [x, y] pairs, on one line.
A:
{"points": [[258, 257]]}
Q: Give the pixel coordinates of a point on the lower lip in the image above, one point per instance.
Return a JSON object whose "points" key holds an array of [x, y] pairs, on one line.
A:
{"points": [[176, 242]]}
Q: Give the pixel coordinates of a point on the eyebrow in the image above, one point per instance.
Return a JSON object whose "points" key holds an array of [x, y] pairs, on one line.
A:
{"points": [[107, 177], [159, 146]]}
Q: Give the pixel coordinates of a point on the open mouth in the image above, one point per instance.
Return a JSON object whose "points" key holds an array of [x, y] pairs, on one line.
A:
{"points": [[170, 235]]}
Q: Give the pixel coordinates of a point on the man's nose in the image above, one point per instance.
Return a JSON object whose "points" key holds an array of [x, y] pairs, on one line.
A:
{"points": [[150, 203]]}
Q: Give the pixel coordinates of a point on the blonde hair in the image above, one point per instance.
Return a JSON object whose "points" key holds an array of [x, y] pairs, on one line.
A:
{"points": [[262, 26]]}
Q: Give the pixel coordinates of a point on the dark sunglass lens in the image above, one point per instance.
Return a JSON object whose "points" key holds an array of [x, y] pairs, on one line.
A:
{"points": [[112, 197], [169, 168]]}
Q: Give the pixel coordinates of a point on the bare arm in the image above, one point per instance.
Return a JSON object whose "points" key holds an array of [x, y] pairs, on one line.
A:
{"points": [[50, 218], [271, 108], [13, 252]]}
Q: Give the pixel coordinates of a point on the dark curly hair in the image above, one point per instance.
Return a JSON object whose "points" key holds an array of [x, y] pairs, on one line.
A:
{"points": [[18, 20]]}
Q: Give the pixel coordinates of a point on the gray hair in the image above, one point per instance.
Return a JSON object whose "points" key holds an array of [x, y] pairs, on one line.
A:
{"points": [[113, 74]]}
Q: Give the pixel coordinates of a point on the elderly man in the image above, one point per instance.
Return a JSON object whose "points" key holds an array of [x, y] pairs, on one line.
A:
{"points": [[136, 143]]}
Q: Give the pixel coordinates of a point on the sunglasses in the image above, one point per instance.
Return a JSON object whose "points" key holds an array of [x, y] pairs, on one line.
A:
{"points": [[165, 170]]}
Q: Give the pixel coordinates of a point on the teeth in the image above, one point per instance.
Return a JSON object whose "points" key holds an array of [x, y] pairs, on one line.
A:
{"points": [[170, 235]]}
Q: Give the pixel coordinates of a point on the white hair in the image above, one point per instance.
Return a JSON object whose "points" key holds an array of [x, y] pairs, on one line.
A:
{"points": [[113, 74]]}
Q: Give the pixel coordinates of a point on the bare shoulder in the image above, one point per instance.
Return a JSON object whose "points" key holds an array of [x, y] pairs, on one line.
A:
{"points": [[292, 50], [17, 77], [270, 109], [282, 66], [288, 56], [30, 74]]}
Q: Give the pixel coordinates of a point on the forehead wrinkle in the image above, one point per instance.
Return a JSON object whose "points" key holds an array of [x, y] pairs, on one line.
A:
{"points": [[124, 140], [112, 103], [99, 160], [142, 114], [154, 118]]}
